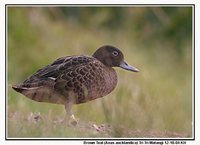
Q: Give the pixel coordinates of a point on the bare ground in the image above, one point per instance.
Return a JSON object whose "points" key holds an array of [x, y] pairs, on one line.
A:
{"points": [[34, 122]]}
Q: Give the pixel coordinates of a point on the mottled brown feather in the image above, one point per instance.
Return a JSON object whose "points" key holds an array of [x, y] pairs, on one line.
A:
{"points": [[75, 79]]}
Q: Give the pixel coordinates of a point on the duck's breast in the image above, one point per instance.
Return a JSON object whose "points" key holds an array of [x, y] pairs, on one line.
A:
{"points": [[99, 81]]}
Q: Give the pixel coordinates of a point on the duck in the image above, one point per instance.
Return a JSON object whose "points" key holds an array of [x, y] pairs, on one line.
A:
{"points": [[76, 79]]}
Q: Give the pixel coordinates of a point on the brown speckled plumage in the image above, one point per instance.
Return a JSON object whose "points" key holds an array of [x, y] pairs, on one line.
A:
{"points": [[75, 79]]}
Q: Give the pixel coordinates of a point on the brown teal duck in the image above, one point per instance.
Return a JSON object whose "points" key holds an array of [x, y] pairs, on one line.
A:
{"points": [[75, 79]]}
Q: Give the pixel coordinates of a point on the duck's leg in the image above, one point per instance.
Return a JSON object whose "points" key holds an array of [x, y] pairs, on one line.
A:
{"points": [[68, 108]]}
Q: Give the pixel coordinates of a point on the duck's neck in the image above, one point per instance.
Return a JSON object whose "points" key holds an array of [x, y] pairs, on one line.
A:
{"points": [[111, 77]]}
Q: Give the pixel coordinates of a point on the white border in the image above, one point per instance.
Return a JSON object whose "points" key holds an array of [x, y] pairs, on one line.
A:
{"points": [[2, 59]]}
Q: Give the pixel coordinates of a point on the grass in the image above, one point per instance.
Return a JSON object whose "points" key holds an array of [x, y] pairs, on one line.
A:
{"points": [[156, 102], [54, 126]]}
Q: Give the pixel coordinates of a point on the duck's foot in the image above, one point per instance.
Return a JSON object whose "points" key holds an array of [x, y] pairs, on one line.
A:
{"points": [[73, 121]]}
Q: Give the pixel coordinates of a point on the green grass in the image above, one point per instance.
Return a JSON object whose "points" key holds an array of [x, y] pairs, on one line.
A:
{"points": [[157, 99]]}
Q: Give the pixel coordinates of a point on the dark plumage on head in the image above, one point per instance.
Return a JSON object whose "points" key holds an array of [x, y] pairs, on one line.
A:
{"points": [[112, 57], [109, 55]]}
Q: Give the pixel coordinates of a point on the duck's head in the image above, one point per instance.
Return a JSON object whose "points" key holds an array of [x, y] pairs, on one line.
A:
{"points": [[112, 57]]}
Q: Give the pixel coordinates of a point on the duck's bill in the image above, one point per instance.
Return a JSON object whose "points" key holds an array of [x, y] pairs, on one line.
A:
{"points": [[126, 66]]}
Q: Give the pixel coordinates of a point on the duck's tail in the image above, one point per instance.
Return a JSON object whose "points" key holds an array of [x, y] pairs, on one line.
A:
{"points": [[19, 89], [40, 94]]}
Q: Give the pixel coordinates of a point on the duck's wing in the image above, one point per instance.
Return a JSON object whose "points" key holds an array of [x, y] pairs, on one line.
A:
{"points": [[48, 84], [58, 68]]}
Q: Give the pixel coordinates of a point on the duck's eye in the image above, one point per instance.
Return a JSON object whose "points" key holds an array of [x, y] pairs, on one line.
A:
{"points": [[115, 53]]}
